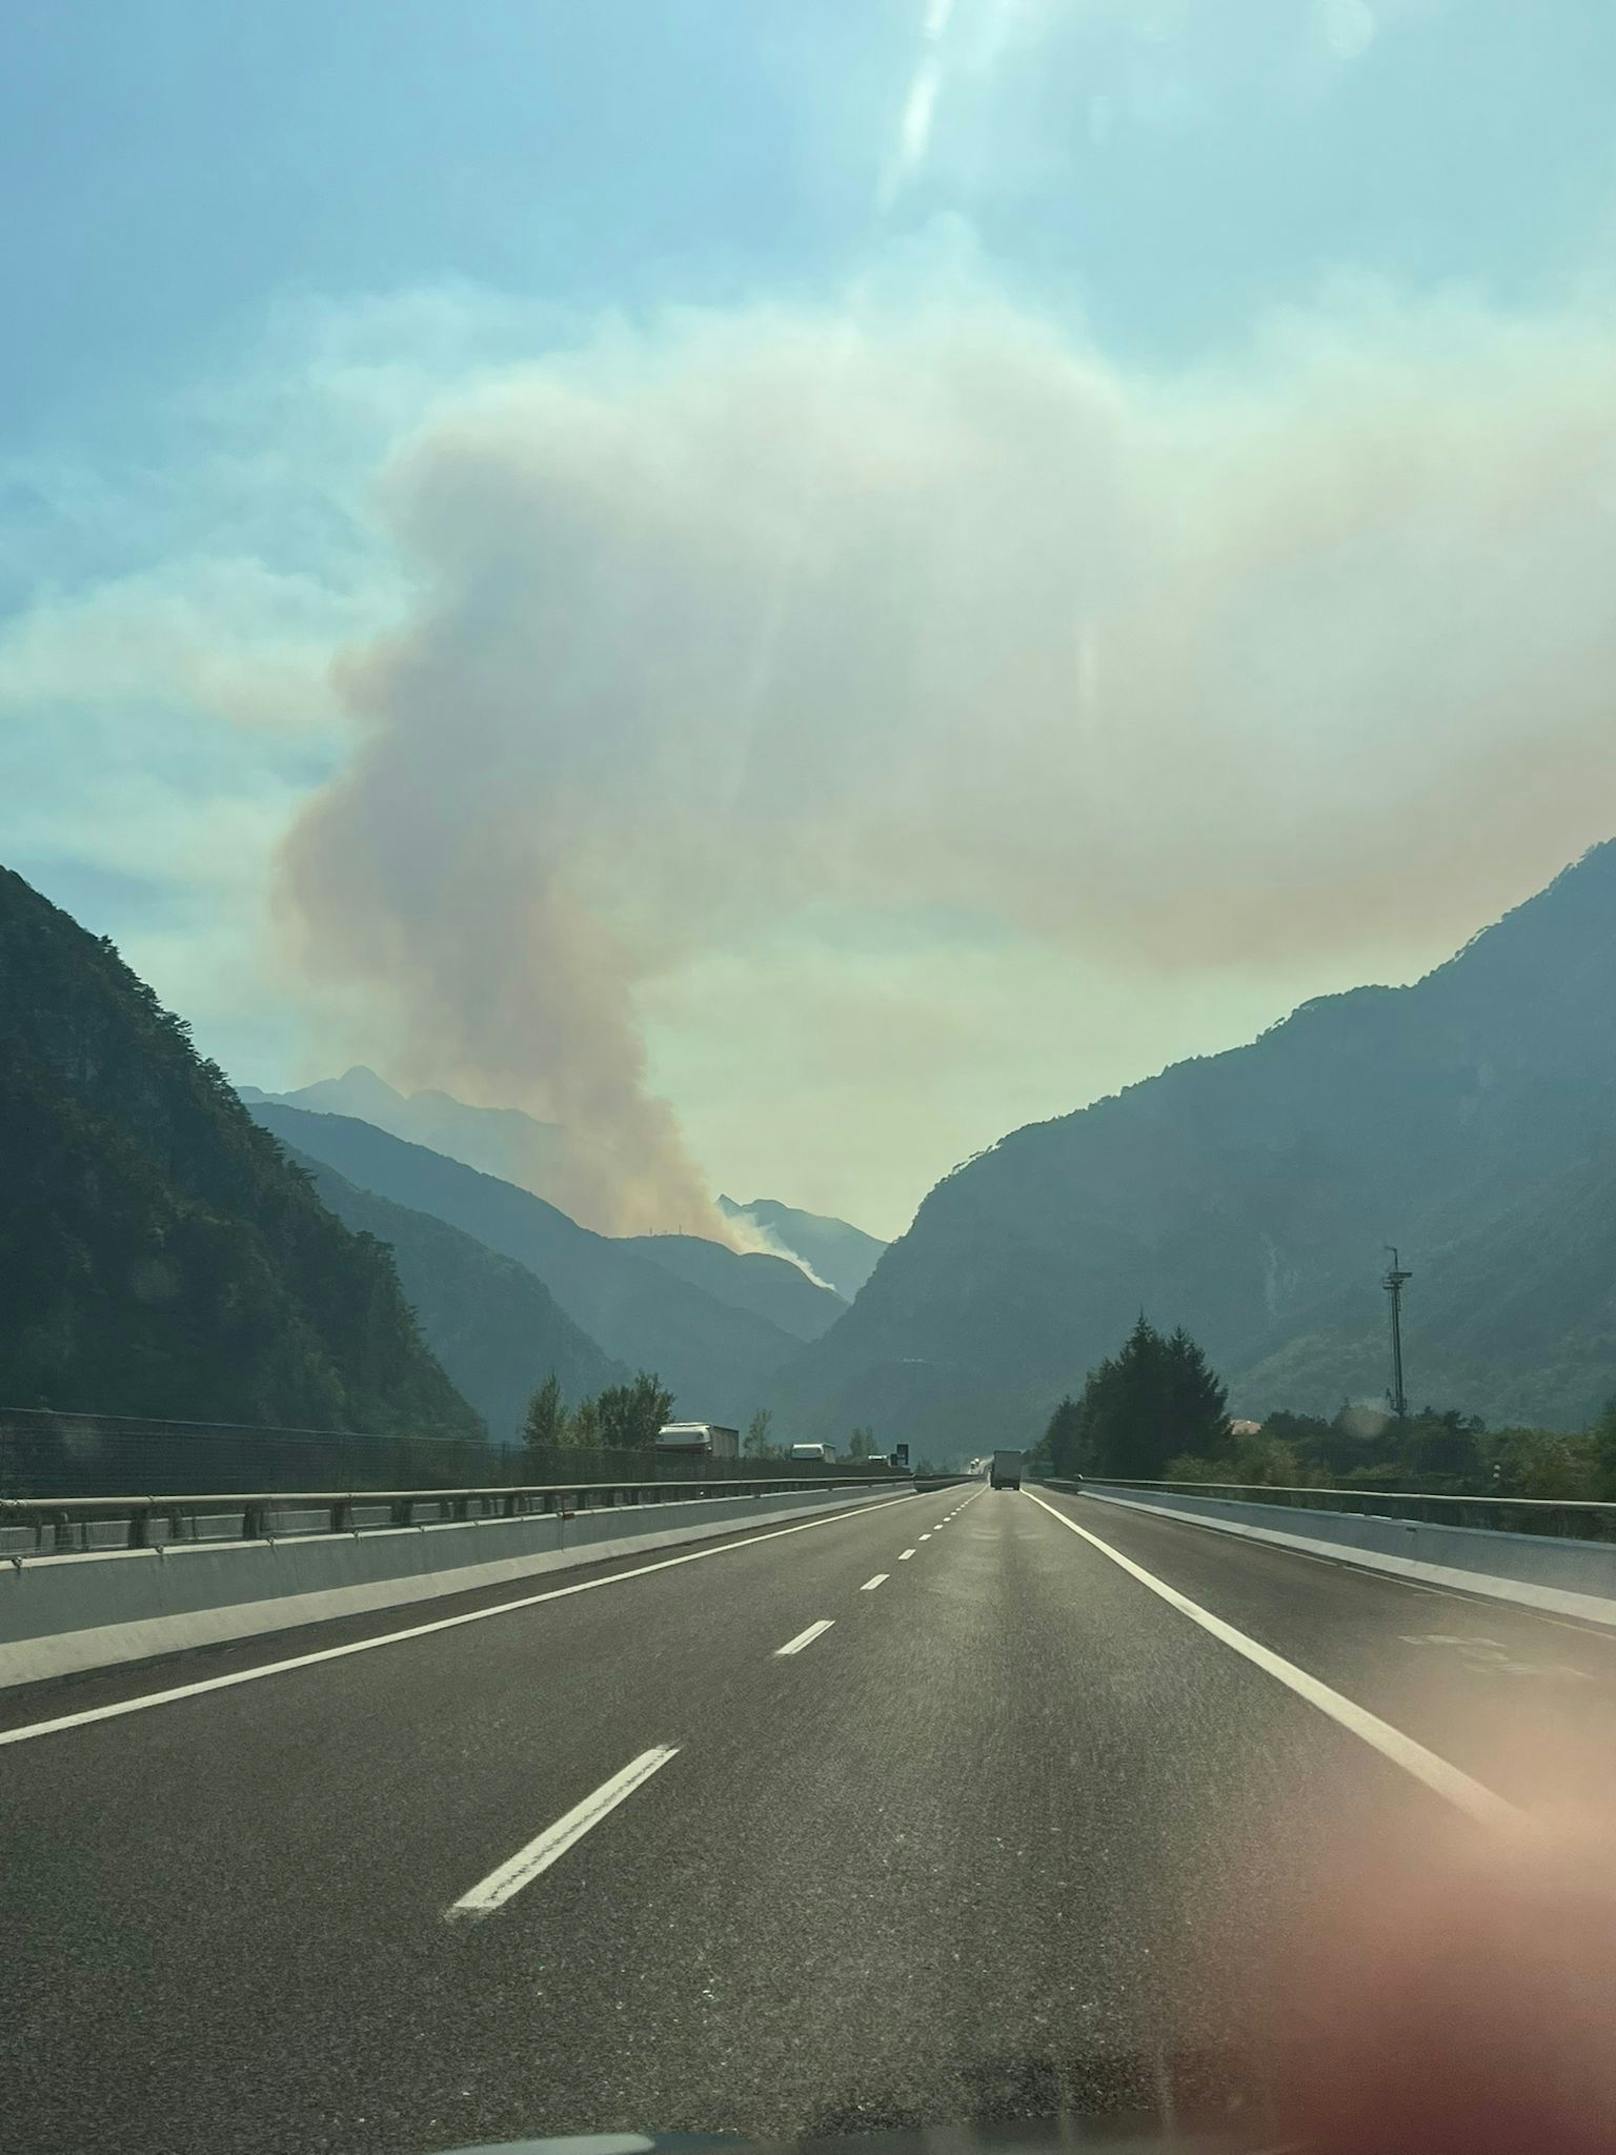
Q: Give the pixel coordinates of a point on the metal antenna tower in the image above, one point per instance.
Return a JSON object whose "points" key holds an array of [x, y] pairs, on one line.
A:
{"points": [[1393, 1284]]}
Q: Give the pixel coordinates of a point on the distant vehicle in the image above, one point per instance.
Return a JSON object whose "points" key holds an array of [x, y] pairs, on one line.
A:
{"points": [[1005, 1472], [811, 1451], [703, 1440]]}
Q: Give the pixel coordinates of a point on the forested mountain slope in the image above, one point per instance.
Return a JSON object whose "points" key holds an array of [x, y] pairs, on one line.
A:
{"points": [[495, 1326], [718, 1361], [1470, 1118], [158, 1254]]}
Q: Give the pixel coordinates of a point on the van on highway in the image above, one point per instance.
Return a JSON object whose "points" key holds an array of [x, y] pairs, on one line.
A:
{"points": [[1005, 1472]]}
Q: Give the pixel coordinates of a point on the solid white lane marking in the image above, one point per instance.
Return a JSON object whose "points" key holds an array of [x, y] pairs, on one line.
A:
{"points": [[904, 1555], [554, 1841], [870, 1585], [1589, 1628], [1436, 1773], [805, 1638], [205, 1684]]}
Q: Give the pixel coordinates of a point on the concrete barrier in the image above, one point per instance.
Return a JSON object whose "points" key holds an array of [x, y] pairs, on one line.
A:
{"points": [[1539, 1571], [60, 1615]]}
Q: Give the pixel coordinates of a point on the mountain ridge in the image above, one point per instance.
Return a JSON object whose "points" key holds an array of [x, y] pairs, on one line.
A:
{"points": [[835, 1252], [492, 1323], [717, 1359], [1248, 1195]]}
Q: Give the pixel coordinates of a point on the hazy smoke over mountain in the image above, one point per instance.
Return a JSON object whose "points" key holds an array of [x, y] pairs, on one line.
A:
{"points": [[949, 611]]}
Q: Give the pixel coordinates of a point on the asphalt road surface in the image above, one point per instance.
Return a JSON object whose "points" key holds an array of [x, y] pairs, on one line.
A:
{"points": [[969, 1805]]}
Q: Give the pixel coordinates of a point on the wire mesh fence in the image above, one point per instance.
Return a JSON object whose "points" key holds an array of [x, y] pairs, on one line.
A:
{"points": [[48, 1454]]}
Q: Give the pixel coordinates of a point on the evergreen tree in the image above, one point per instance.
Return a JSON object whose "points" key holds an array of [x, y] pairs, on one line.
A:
{"points": [[546, 1423], [1155, 1400], [755, 1444], [1194, 1418], [1059, 1450]]}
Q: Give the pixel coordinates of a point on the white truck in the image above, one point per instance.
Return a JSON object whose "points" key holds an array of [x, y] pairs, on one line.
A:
{"points": [[1005, 1471], [702, 1440], [816, 1452]]}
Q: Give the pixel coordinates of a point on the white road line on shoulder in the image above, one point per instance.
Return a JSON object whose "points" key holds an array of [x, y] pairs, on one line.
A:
{"points": [[176, 1692], [1436, 1773], [555, 1840], [1473, 1600], [805, 1638], [904, 1555], [870, 1585]]}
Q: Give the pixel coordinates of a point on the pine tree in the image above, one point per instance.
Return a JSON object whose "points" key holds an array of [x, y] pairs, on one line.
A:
{"points": [[1154, 1401], [1060, 1450], [1194, 1419]]}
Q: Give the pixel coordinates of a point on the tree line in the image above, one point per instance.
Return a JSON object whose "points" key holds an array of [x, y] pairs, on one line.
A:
{"points": [[1156, 1411], [1153, 1401], [627, 1417], [623, 1417]]}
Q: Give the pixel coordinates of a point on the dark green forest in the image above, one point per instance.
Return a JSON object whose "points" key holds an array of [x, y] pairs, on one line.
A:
{"points": [[1155, 1412], [158, 1253]]}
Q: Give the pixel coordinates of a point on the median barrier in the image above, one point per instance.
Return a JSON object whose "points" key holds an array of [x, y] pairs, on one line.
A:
{"points": [[61, 1615], [1562, 1575]]}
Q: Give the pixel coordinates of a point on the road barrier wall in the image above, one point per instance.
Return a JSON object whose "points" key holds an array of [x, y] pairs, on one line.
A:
{"points": [[61, 1615], [1565, 1577]]}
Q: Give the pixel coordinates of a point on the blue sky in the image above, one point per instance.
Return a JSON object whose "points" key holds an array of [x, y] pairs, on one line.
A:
{"points": [[286, 285]]}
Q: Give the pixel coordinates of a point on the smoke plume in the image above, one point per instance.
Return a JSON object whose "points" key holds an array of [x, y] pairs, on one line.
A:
{"points": [[945, 610]]}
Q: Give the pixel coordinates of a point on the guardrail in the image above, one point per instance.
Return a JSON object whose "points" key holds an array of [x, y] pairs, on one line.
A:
{"points": [[1569, 1519], [68, 1525]]}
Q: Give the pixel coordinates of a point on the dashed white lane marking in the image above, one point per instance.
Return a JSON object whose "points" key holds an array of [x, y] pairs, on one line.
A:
{"points": [[870, 1585], [555, 1840], [904, 1555], [1436, 1773], [805, 1638], [175, 1692], [925, 1537]]}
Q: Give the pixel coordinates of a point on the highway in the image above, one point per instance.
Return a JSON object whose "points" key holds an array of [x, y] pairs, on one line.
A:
{"points": [[973, 1804]]}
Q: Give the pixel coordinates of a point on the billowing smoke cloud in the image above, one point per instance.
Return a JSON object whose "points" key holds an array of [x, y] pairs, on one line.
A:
{"points": [[946, 610]]}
